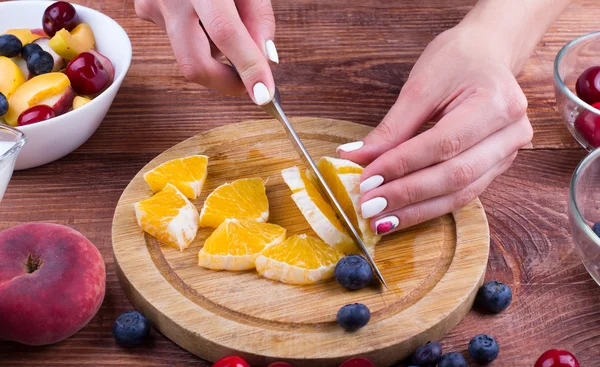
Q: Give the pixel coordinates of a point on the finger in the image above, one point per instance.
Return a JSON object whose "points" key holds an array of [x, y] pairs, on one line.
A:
{"points": [[416, 104], [469, 123], [433, 208], [192, 50], [225, 28], [259, 19], [148, 10], [449, 176]]}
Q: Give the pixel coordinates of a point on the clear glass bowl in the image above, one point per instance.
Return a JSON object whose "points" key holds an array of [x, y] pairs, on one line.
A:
{"points": [[11, 142], [571, 61], [584, 211]]}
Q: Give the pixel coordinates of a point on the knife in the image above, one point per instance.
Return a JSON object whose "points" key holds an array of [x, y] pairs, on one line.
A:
{"points": [[274, 109]]}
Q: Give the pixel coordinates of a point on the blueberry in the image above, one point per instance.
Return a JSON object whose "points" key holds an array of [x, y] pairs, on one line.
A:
{"points": [[353, 272], [353, 317], [483, 349], [29, 49], [453, 360], [131, 328], [3, 104], [596, 229], [10, 45], [430, 353], [40, 62], [494, 296]]}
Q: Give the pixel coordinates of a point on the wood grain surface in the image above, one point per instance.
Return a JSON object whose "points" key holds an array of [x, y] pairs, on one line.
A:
{"points": [[343, 59], [433, 270]]}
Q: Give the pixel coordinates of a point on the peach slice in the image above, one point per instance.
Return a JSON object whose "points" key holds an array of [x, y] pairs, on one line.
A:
{"points": [[22, 65], [11, 76], [69, 45], [79, 101], [24, 35], [52, 89], [39, 31]]}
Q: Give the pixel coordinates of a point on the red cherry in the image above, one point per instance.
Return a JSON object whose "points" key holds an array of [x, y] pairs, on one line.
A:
{"points": [[58, 16], [280, 364], [87, 74], [231, 361], [35, 114], [357, 362], [557, 358], [587, 125]]}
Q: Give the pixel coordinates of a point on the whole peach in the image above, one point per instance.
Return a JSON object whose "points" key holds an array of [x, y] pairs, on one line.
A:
{"points": [[52, 282]]}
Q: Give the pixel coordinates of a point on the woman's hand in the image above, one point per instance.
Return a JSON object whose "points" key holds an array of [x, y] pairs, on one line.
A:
{"points": [[242, 30], [465, 85]]}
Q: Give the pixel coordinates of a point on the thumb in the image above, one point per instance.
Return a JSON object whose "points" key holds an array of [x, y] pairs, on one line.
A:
{"points": [[412, 109]]}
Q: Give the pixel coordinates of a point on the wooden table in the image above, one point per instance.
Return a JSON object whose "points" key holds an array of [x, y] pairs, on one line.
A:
{"points": [[345, 60]]}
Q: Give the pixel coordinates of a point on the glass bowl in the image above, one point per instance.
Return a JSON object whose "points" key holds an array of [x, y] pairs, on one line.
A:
{"points": [[11, 142], [584, 211], [576, 56]]}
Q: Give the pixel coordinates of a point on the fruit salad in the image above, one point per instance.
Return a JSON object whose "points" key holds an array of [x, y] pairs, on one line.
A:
{"points": [[52, 70]]}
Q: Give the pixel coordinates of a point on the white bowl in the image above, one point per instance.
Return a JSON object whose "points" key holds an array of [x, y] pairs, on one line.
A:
{"points": [[52, 139]]}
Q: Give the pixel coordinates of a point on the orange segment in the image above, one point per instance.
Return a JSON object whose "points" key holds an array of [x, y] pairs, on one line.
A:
{"points": [[343, 178], [169, 217], [236, 244], [187, 174], [300, 259], [241, 199]]}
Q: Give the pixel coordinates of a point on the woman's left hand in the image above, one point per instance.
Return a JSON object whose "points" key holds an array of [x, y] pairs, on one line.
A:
{"points": [[467, 86]]}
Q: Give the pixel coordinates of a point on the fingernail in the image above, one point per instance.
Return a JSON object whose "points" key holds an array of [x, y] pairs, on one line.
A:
{"points": [[272, 51], [371, 183], [386, 224], [261, 94], [373, 207], [350, 147]]}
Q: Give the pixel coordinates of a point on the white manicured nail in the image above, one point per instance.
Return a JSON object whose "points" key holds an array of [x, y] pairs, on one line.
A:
{"points": [[261, 94], [272, 51], [373, 207], [350, 147], [386, 224], [371, 183]]}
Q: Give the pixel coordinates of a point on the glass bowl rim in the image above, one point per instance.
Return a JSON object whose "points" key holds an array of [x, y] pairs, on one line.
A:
{"points": [[20, 140], [559, 81], [579, 220]]}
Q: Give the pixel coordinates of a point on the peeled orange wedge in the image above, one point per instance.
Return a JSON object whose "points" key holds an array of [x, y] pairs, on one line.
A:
{"points": [[343, 178], [169, 217], [241, 199], [236, 244], [186, 174], [300, 259], [316, 210]]}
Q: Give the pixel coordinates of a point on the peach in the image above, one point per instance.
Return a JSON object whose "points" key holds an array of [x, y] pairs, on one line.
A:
{"points": [[11, 76], [52, 283], [52, 89], [79, 101], [39, 31], [69, 45], [25, 35], [22, 64]]}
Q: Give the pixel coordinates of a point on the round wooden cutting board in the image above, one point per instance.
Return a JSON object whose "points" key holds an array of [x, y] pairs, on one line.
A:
{"points": [[433, 269]]}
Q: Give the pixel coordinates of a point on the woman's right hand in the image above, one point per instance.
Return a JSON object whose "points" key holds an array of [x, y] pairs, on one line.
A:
{"points": [[241, 30]]}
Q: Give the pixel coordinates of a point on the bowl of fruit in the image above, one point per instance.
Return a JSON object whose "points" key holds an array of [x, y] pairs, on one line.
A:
{"points": [[61, 66], [577, 88]]}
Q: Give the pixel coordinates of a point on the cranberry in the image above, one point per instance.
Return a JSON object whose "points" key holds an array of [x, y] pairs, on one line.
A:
{"points": [[35, 114], [231, 361], [87, 74], [587, 125], [588, 85], [357, 362], [280, 364], [557, 358], [57, 16]]}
